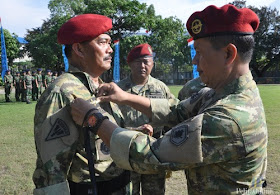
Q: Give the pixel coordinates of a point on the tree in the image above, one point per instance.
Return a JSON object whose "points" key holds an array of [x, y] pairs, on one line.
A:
{"points": [[267, 49], [12, 47]]}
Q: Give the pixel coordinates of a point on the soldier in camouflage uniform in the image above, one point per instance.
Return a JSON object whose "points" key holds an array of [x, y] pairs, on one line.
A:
{"points": [[22, 90], [39, 79], [27, 85], [54, 76], [220, 133], [34, 86], [140, 82], [62, 163], [48, 79], [191, 87], [8, 83], [17, 86]]}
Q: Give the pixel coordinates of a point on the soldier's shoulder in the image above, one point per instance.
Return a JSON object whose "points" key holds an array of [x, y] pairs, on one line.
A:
{"points": [[124, 83]]}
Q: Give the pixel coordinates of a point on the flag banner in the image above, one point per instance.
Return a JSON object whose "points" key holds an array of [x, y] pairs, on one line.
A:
{"points": [[66, 64], [190, 44], [4, 60], [116, 72]]}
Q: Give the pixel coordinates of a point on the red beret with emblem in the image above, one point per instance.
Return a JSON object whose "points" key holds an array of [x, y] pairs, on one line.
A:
{"points": [[226, 20], [83, 28], [140, 51]]}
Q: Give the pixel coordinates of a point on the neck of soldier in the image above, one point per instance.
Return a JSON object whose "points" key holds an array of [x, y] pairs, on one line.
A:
{"points": [[138, 80]]}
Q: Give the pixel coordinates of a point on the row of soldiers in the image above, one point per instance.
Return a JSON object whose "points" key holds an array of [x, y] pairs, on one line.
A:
{"points": [[28, 86]]}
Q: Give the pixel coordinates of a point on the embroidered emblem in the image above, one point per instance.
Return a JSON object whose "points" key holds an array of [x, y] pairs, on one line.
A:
{"points": [[179, 134], [59, 129], [195, 97], [196, 26], [104, 149]]}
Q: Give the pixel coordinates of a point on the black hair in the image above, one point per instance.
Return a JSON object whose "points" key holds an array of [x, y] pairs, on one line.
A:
{"points": [[244, 43], [68, 51]]}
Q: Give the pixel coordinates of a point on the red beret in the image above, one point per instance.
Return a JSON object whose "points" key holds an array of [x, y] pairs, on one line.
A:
{"points": [[83, 28], [227, 20], [140, 51]]}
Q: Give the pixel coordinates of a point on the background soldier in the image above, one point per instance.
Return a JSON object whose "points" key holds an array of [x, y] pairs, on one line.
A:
{"points": [[140, 82], [39, 79], [8, 82], [17, 86], [34, 86], [54, 76], [27, 84], [48, 79], [59, 142], [220, 134], [22, 90]]}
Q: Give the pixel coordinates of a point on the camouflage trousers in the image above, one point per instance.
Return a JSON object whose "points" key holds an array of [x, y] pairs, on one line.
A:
{"points": [[8, 93], [17, 93], [149, 184], [40, 90], [28, 94]]}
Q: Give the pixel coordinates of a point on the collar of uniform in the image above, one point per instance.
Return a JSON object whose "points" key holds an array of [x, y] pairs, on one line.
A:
{"points": [[237, 85], [144, 88], [92, 86]]}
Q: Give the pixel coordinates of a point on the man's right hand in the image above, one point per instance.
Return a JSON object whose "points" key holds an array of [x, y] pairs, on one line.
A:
{"points": [[112, 92]]}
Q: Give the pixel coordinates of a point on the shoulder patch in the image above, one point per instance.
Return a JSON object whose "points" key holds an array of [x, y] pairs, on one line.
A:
{"points": [[59, 129], [179, 134]]}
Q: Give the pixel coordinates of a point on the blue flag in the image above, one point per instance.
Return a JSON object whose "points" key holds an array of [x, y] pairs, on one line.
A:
{"points": [[190, 44], [66, 65], [4, 60], [116, 72]]}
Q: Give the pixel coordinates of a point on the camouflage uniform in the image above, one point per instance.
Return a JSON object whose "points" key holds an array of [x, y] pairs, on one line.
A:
{"points": [[220, 138], [28, 84], [17, 87], [66, 159], [22, 90], [152, 183], [8, 81], [34, 87], [48, 80], [39, 78], [190, 87]]}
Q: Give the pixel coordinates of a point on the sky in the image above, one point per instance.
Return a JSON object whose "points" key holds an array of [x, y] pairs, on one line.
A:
{"points": [[19, 15]]}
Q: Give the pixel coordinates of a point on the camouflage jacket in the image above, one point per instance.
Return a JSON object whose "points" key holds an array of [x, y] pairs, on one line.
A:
{"points": [[220, 138], [60, 142], [17, 81], [39, 78], [190, 87], [28, 80], [8, 80], [152, 89], [48, 79]]}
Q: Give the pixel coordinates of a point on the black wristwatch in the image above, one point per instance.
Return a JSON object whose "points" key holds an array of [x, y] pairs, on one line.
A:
{"points": [[94, 121]]}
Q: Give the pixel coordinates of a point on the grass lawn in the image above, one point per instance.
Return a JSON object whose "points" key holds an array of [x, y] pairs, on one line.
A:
{"points": [[17, 156]]}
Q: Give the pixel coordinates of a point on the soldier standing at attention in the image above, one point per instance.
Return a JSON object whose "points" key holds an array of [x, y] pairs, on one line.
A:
{"points": [[22, 91], [48, 79], [219, 135], [140, 82], [34, 86], [54, 76], [17, 86], [27, 85], [8, 82], [39, 79], [62, 163]]}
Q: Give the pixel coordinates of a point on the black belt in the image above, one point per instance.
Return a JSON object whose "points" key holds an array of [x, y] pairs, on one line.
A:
{"points": [[103, 187]]}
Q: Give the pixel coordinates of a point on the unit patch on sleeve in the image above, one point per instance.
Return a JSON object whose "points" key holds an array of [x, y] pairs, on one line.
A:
{"points": [[179, 134], [59, 129]]}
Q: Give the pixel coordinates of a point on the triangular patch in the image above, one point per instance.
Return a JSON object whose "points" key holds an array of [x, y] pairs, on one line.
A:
{"points": [[59, 129]]}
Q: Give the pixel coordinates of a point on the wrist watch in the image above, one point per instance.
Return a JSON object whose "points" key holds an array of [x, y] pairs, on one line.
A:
{"points": [[94, 121]]}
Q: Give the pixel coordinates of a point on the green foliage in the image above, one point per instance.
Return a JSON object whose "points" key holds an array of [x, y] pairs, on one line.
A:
{"points": [[12, 47]]}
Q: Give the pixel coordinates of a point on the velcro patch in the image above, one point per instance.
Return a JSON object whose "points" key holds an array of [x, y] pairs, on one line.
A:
{"points": [[179, 134], [59, 129]]}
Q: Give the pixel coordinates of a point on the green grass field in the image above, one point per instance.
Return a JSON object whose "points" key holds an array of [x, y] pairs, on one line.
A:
{"points": [[17, 156]]}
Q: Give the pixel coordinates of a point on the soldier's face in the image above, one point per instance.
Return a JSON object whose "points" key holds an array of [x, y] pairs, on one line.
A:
{"points": [[97, 55], [141, 67], [211, 63]]}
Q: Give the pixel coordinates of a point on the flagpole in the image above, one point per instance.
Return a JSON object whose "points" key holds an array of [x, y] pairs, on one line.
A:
{"points": [[190, 44], [3, 53]]}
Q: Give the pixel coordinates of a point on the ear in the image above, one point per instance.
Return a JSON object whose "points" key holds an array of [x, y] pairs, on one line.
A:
{"points": [[78, 49], [231, 53]]}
